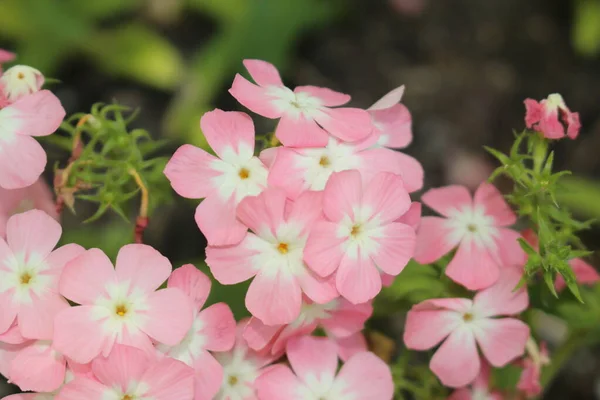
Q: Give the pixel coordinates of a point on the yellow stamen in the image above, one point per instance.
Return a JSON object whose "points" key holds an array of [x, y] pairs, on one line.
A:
{"points": [[244, 173], [233, 380], [468, 317], [355, 230], [324, 162], [20, 75], [283, 248], [121, 310], [472, 228], [25, 278]]}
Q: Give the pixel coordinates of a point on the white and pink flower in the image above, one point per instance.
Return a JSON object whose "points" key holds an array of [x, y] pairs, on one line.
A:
{"points": [[313, 375], [392, 120], [119, 305], [462, 324], [222, 182], [20, 81], [30, 269], [552, 117], [213, 330], [477, 226], [359, 237], [273, 255], [307, 116]]}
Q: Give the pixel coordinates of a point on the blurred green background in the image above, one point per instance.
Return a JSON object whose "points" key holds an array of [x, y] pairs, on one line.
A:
{"points": [[467, 66]]}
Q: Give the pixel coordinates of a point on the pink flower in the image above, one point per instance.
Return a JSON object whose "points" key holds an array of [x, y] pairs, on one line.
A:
{"points": [[529, 382], [477, 226], [20, 81], [585, 274], [29, 274], [551, 116], [222, 182], [340, 319], [298, 170], [392, 120], [272, 254], [241, 367], [314, 365], [306, 113], [39, 367], [119, 305], [22, 159], [359, 237], [17, 201], [465, 323], [213, 329], [129, 373], [6, 56], [480, 388]]}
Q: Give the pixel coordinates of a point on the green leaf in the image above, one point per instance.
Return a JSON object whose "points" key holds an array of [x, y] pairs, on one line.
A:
{"points": [[549, 279]]}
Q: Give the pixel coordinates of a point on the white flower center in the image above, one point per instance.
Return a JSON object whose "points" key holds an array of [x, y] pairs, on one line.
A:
{"points": [[472, 224], [295, 104], [25, 276], [190, 347], [19, 81], [134, 391], [324, 387], [310, 313], [123, 308], [242, 174], [361, 233], [239, 374], [318, 164]]}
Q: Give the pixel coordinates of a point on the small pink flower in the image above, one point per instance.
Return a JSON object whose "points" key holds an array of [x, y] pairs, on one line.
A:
{"points": [[480, 388], [477, 226], [306, 112], [241, 367], [213, 329], [298, 170], [29, 274], [17, 201], [129, 373], [272, 254], [529, 382], [39, 367], [340, 319], [550, 117], [392, 120], [464, 323], [6, 56], [22, 159], [222, 182], [119, 305], [20, 81], [585, 274], [359, 237], [314, 364]]}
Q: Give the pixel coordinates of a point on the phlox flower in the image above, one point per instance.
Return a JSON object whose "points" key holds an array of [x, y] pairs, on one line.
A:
{"points": [[29, 274], [477, 226], [19, 81], [17, 201], [223, 182], [392, 120], [241, 367], [585, 274], [312, 376], [551, 116], [297, 170], [22, 159], [529, 381], [306, 113], [479, 389], [213, 329], [128, 373], [119, 305], [341, 320], [272, 254], [462, 324], [40, 368], [359, 237]]}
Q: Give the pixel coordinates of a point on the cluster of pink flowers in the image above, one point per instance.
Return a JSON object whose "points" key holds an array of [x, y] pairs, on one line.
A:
{"points": [[319, 224]]}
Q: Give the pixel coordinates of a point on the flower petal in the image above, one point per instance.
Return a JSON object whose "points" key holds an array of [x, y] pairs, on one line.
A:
{"points": [[36, 319], [389, 100], [263, 73], [367, 377], [254, 97], [446, 199], [434, 240], [347, 124], [323, 250], [300, 131], [82, 388], [169, 379], [193, 282], [501, 298], [456, 362], [39, 114], [32, 232], [232, 264], [427, 328], [343, 193], [489, 197], [264, 213], [22, 162], [229, 132], [473, 266], [170, 316], [142, 266], [387, 197], [191, 173], [279, 383], [395, 126], [218, 222], [501, 340], [123, 366], [85, 278], [328, 97], [396, 247], [218, 327], [274, 298], [357, 279], [38, 368], [312, 357]]}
